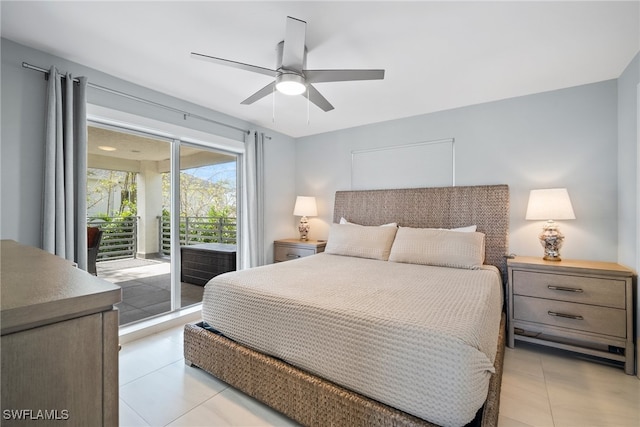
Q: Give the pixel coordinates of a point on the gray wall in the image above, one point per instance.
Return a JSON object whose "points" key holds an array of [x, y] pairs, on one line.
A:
{"points": [[628, 177], [565, 138], [22, 140], [628, 164]]}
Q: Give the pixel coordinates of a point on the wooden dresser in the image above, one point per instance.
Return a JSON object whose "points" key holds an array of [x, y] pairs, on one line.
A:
{"points": [[59, 343], [582, 306]]}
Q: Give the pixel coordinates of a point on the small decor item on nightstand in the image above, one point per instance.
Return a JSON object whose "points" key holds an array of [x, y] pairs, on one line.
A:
{"points": [[305, 206], [550, 204]]}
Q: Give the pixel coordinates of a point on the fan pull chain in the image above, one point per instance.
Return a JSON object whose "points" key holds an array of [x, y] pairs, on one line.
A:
{"points": [[273, 110], [308, 102]]}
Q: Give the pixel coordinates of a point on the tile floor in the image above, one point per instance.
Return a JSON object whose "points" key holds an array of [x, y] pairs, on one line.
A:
{"points": [[541, 387], [145, 287]]}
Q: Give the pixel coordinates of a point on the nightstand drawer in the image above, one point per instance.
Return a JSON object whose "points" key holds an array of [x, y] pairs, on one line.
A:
{"points": [[286, 253], [582, 317], [588, 290]]}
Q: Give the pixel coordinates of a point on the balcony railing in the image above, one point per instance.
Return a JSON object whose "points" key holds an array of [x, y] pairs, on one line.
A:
{"points": [[119, 235], [197, 229]]}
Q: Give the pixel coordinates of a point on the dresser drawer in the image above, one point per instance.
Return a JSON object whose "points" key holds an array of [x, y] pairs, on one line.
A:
{"points": [[582, 317], [588, 290], [286, 253]]}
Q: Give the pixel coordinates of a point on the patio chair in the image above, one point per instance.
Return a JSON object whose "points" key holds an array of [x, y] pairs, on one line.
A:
{"points": [[94, 236]]}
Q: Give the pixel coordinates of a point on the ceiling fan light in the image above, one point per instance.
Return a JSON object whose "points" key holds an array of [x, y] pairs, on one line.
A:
{"points": [[290, 84]]}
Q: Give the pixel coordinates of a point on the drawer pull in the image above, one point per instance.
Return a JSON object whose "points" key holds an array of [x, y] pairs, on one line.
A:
{"points": [[293, 256], [562, 288], [566, 316]]}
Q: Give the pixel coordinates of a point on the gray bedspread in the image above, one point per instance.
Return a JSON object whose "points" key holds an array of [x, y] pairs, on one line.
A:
{"points": [[418, 338]]}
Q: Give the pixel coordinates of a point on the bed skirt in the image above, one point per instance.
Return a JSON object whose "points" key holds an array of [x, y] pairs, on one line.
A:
{"points": [[306, 398]]}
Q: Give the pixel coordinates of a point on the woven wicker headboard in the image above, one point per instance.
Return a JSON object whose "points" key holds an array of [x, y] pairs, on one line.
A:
{"points": [[486, 206]]}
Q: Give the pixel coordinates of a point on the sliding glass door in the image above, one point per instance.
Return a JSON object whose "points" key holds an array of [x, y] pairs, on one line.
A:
{"points": [[146, 192], [207, 227]]}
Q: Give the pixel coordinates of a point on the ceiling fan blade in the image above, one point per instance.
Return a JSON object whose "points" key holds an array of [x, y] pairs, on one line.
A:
{"points": [[267, 90], [316, 97], [319, 76], [293, 49], [235, 64]]}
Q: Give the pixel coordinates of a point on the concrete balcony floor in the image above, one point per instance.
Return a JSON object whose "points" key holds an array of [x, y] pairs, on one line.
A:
{"points": [[145, 287]]}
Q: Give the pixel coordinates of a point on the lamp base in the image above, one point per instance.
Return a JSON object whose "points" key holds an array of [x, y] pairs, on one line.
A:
{"points": [[551, 240], [303, 228], [551, 258]]}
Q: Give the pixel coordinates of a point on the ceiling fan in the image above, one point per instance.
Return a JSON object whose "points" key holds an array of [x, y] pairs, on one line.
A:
{"points": [[291, 75]]}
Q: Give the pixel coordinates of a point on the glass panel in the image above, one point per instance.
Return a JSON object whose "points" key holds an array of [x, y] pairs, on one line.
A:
{"points": [[208, 218], [125, 201]]}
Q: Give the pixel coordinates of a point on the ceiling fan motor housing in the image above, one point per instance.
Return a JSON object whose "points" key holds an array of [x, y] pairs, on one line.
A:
{"points": [[290, 82], [280, 50]]}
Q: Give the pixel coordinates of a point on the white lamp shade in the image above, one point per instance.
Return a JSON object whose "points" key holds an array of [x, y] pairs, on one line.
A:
{"points": [[305, 206], [550, 204]]}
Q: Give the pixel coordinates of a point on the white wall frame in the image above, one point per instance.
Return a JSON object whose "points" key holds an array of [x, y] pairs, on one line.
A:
{"points": [[401, 154]]}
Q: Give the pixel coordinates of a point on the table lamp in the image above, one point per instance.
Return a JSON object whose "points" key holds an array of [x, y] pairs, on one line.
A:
{"points": [[305, 206], [550, 204]]}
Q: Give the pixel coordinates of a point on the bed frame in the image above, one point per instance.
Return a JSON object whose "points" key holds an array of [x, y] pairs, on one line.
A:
{"points": [[313, 401]]}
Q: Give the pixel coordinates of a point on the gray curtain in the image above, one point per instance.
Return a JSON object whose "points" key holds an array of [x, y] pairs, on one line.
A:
{"points": [[252, 214], [64, 226]]}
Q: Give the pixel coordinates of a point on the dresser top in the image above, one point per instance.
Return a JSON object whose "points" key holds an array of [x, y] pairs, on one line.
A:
{"points": [[570, 265], [38, 288]]}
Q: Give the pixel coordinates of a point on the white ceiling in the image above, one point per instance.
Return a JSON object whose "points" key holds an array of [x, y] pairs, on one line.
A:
{"points": [[437, 55]]}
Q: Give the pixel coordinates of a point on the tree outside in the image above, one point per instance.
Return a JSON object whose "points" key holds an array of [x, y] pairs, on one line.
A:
{"points": [[110, 193], [207, 204]]}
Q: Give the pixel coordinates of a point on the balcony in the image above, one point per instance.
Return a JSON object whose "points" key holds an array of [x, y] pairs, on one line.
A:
{"points": [[145, 287], [133, 178], [146, 281], [120, 234]]}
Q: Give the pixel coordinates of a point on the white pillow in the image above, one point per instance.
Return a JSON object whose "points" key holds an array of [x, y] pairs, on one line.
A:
{"points": [[344, 221], [439, 247], [360, 241], [467, 229]]}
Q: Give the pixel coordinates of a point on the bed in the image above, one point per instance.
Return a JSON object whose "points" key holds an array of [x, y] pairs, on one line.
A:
{"points": [[394, 349]]}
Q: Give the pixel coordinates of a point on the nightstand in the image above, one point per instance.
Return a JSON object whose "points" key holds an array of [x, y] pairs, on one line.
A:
{"points": [[288, 249], [581, 306]]}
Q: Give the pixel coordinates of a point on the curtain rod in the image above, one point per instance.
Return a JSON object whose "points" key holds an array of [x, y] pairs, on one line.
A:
{"points": [[142, 100]]}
